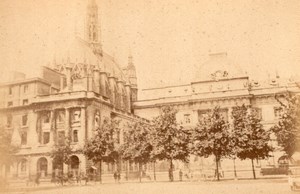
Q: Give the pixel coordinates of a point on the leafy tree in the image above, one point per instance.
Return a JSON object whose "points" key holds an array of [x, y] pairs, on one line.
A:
{"points": [[239, 116], [103, 146], [211, 137], [251, 139], [7, 148], [137, 146], [61, 154], [171, 141], [287, 130]]}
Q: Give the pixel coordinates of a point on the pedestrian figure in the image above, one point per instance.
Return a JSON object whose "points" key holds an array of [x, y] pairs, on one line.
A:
{"points": [[78, 179], [119, 176], [37, 179], [180, 175], [115, 176]]}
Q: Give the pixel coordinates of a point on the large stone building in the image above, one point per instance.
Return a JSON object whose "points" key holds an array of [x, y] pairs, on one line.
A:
{"points": [[84, 85], [70, 98], [220, 82]]}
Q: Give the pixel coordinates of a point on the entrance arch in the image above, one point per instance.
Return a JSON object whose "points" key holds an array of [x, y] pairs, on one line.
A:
{"points": [[42, 166], [74, 165]]}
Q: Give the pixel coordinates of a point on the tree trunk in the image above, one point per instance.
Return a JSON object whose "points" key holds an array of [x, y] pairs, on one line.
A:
{"points": [[217, 168], [234, 168], [253, 170], [140, 171], [154, 173], [100, 171], [171, 171]]}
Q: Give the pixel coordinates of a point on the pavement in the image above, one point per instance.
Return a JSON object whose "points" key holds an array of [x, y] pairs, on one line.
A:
{"points": [[247, 186]]}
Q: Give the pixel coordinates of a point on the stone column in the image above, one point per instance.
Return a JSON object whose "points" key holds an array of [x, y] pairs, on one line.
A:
{"points": [[32, 134]]}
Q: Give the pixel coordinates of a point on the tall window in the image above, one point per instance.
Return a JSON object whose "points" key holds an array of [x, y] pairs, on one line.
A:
{"points": [[46, 137], [25, 89], [277, 112], [24, 120], [9, 121], [10, 90], [187, 118], [24, 138], [75, 135], [61, 137]]}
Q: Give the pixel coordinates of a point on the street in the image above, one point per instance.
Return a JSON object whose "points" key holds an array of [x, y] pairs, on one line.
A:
{"points": [[234, 187]]}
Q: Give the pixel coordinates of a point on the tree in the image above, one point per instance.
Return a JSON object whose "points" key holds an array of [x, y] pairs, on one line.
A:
{"points": [[239, 116], [61, 154], [251, 139], [211, 137], [287, 130], [7, 148], [102, 147], [137, 146], [170, 140]]}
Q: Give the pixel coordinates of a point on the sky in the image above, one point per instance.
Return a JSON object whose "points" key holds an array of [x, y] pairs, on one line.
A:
{"points": [[169, 39]]}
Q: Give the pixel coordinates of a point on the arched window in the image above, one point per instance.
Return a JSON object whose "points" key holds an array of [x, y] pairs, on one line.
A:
{"points": [[42, 166]]}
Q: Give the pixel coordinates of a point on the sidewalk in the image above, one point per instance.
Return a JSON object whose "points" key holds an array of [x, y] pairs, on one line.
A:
{"points": [[22, 188]]}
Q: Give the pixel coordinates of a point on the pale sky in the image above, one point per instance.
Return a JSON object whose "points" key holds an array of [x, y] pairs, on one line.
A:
{"points": [[169, 39]]}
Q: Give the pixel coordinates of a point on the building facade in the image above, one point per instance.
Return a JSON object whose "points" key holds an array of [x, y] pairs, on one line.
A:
{"points": [[219, 82], [68, 99], [84, 85]]}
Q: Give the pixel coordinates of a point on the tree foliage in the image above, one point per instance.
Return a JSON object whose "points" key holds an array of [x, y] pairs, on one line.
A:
{"points": [[61, 153], [211, 137], [7, 149], [287, 130], [103, 146], [250, 140], [137, 146], [170, 141]]}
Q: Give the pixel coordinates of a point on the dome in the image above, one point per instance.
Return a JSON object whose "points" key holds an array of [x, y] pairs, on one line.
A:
{"points": [[78, 52], [218, 66]]}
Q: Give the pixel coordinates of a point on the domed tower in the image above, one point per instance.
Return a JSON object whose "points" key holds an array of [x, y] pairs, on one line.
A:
{"points": [[131, 74]]}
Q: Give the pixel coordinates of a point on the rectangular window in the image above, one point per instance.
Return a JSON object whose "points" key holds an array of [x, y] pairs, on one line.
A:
{"points": [[24, 138], [25, 89], [187, 118], [46, 137], [10, 90], [75, 136], [60, 116], [46, 117], [224, 113], [277, 112], [24, 120], [9, 104], [258, 111], [25, 101], [61, 137], [9, 121], [202, 114]]}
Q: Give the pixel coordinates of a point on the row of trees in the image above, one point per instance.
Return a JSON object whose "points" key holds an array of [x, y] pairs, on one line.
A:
{"points": [[164, 139]]}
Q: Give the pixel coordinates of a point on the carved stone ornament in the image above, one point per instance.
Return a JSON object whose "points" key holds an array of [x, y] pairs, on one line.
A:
{"points": [[219, 75]]}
